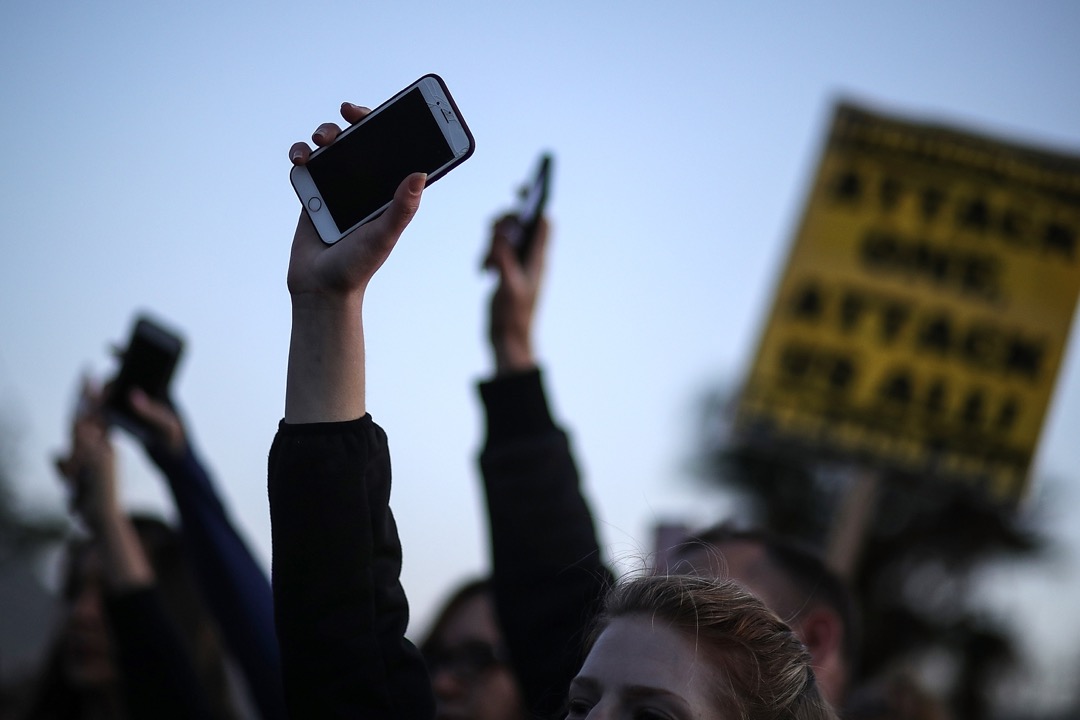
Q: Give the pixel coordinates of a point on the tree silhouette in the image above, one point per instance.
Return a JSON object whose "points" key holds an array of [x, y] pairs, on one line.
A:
{"points": [[21, 532], [24, 538]]}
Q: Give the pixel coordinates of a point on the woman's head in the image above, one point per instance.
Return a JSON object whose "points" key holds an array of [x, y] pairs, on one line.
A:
{"points": [[470, 673], [686, 646], [83, 663]]}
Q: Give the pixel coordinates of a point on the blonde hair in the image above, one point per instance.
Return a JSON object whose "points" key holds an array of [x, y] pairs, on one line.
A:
{"points": [[767, 670]]}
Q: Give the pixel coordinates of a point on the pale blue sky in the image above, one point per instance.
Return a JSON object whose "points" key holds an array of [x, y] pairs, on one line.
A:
{"points": [[147, 168]]}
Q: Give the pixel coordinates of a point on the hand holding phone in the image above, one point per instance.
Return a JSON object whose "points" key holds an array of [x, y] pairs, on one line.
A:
{"points": [[531, 208], [352, 180], [148, 364], [316, 267]]}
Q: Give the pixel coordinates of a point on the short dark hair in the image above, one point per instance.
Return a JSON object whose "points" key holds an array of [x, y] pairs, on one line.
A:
{"points": [[801, 564]]}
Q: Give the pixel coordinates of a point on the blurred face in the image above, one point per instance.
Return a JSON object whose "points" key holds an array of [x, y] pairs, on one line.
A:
{"points": [[642, 669], [87, 654], [468, 671]]}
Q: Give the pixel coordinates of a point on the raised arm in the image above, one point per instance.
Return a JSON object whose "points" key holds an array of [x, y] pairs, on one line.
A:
{"points": [[327, 284], [547, 571], [233, 584], [156, 671], [90, 472], [514, 302], [340, 609]]}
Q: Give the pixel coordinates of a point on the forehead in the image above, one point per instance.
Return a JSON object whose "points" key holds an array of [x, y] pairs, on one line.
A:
{"points": [[637, 651]]}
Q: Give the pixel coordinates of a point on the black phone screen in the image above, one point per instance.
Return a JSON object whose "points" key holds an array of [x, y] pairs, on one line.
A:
{"points": [[359, 173]]}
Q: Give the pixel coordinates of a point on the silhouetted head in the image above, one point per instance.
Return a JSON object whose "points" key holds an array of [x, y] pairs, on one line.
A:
{"points": [[82, 669]]}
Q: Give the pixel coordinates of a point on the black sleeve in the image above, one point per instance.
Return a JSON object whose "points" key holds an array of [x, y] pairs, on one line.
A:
{"points": [[547, 570], [339, 607], [159, 678]]}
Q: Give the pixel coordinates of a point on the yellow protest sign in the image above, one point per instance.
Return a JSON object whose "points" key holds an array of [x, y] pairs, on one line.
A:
{"points": [[924, 311]]}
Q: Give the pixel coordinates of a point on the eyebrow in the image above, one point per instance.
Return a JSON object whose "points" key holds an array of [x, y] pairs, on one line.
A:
{"points": [[642, 691], [584, 683], [589, 684]]}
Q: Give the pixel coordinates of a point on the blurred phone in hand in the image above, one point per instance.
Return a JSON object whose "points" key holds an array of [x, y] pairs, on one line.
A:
{"points": [[531, 209], [148, 363]]}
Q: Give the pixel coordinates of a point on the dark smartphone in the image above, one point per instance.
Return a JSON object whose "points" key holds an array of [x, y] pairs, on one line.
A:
{"points": [[351, 181], [148, 363], [533, 201]]}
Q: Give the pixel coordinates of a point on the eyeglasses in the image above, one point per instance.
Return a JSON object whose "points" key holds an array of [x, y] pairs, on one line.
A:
{"points": [[466, 661]]}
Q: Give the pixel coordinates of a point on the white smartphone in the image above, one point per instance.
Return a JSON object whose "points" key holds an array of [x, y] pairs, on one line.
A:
{"points": [[351, 181]]}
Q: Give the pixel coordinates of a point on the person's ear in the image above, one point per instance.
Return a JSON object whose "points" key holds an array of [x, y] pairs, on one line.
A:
{"points": [[823, 633]]}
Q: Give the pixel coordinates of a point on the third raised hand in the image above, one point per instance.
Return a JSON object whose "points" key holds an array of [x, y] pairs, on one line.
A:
{"points": [[513, 304]]}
